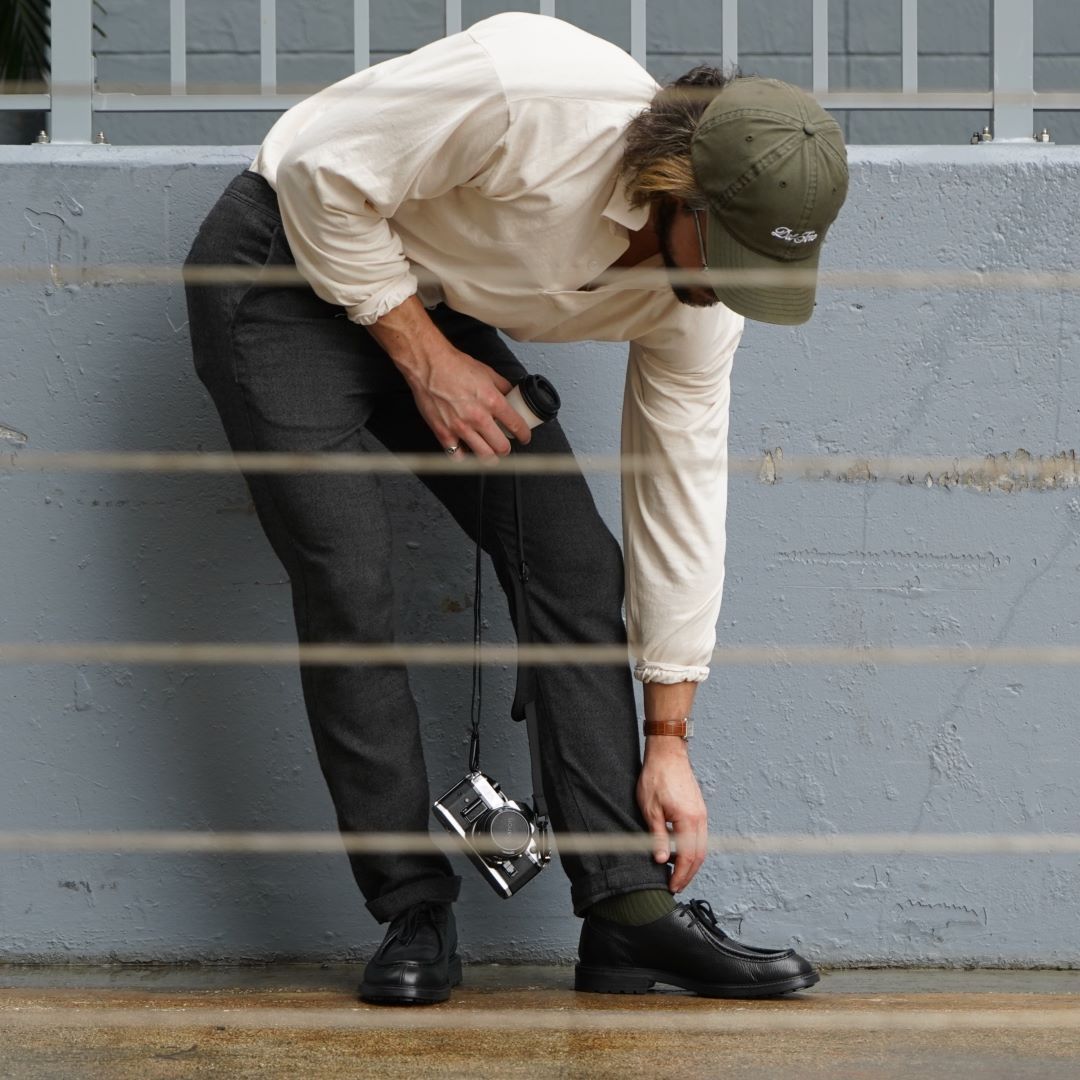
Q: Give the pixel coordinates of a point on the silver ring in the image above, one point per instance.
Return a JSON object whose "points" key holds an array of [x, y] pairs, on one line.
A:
{"points": [[451, 450]]}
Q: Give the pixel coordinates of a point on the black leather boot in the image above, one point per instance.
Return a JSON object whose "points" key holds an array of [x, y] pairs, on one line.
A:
{"points": [[684, 948], [417, 962]]}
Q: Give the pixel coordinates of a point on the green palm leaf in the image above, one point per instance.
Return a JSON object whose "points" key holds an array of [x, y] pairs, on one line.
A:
{"points": [[24, 41]]}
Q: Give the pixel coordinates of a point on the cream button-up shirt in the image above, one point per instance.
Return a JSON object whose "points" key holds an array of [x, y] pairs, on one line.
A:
{"points": [[487, 164]]}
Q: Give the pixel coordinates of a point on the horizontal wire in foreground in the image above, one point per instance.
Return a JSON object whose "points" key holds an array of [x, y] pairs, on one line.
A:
{"points": [[212, 653], [1004, 471], [265, 842], [656, 279], [726, 1018]]}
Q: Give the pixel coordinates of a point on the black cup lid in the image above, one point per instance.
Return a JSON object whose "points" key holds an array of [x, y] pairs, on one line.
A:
{"points": [[538, 393]]}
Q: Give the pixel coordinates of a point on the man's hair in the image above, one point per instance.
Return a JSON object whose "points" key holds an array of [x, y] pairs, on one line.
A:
{"points": [[657, 160]]}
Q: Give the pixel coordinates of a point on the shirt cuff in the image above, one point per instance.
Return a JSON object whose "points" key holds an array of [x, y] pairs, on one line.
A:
{"points": [[371, 310], [647, 671]]}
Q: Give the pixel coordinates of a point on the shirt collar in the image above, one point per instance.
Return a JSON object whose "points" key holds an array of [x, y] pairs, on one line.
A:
{"points": [[619, 210]]}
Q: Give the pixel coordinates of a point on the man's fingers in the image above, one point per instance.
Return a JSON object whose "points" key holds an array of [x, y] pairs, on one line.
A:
{"points": [[504, 386], [661, 837], [512, 421], [504, 413], [477, 444], [494, 437], [689, 853]]}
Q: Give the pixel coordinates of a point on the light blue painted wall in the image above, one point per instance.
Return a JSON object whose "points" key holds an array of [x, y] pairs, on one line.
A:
{"points": [[781, 748], [315, 48]]}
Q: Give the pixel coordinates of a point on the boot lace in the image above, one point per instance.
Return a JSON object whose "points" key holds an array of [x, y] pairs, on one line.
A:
{"points": [[703, 912]]}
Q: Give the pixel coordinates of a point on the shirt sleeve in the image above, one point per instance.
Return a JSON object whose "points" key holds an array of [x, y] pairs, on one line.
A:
{"points": [[411, 128], [675, 413]]}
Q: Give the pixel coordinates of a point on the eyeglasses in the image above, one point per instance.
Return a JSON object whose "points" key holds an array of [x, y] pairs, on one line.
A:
{"points": [[701, 241]]}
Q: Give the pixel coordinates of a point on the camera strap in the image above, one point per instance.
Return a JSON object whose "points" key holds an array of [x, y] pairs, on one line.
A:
{"points": [[526, 691], [524, 706]]}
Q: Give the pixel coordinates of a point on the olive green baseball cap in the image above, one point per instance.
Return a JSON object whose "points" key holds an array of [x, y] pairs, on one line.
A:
{"points": [[773, 167]]}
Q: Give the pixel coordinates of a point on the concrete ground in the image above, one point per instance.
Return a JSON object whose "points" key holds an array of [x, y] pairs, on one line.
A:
{"points": [[304, 1021]]}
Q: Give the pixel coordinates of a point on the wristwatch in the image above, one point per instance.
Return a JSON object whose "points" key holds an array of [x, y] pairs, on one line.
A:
{"points": [[682, 729]]}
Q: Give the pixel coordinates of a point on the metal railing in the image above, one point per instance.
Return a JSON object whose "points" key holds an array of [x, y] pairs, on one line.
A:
{"points": [[74, 98]]}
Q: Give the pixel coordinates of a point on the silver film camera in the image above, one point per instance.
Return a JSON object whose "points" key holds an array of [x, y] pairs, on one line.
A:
{"points": [[503, 838]]}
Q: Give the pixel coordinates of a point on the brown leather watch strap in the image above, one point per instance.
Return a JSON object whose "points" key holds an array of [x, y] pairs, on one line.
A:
{"points": [[682, 729]]}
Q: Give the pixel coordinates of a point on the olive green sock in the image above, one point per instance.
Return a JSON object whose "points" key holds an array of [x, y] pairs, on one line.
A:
{"points": [[635, 908]]}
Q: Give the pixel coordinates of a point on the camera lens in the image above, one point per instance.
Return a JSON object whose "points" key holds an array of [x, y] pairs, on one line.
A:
{"points": [[506, 829]]}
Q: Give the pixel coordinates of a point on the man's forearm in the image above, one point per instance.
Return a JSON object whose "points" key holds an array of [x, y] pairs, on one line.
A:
{"points": [[408, 336]]}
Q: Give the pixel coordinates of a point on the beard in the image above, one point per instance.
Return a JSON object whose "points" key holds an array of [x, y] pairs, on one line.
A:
{"points": [[693, 296]]}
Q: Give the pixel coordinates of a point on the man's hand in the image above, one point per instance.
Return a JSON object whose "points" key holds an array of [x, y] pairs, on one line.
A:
{"points": [[459, 398], [667, 791]]}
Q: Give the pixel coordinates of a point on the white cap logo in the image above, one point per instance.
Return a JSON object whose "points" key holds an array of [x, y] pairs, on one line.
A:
{"points": [[782, 232]]}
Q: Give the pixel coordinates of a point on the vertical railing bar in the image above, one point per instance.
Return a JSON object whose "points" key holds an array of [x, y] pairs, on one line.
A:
{"points": [[71, 82], [729, 33], [1014, 69], [547, 7], [178, 46], [453, 16], [821, 46], [268, 46], [638, 26], [361, 34], [909, 47]]}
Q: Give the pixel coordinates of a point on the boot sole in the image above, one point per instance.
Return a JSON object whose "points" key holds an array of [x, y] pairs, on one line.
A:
{"points": [[595, 980], [407, 995]]}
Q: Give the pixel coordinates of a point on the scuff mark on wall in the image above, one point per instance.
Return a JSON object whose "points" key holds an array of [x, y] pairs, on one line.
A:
{"points": [[75, 886], [84, 693], [934, 918], [950, 761], [62, 249]]}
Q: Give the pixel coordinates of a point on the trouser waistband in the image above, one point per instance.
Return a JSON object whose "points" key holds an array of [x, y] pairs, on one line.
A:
{"points": [[256, 189]]}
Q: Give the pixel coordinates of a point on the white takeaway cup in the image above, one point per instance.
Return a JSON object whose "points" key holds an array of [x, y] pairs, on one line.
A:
{"points": [[535, 400]]}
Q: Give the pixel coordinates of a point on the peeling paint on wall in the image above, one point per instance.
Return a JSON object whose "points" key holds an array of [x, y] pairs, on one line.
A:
{"points": [[1020, 472], [1010, 473], [897, 560], [9, 434]]}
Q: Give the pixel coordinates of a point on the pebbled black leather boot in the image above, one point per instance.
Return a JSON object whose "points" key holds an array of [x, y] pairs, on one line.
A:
{"points": [[417, 962], [684, 948]]}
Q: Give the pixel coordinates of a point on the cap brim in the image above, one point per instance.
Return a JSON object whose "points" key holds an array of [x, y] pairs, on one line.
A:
{"points": [[785, 304]]}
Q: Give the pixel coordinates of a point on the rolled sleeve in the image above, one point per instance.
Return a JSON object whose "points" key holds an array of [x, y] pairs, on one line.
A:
{"points": [[344, 161], [675, 413]]}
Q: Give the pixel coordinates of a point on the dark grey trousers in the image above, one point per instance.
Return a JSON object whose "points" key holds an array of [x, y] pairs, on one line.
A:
{"points": [[289, 373]]}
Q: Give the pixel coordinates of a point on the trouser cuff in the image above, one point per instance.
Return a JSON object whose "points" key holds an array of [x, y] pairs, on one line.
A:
{"points": [[599, 886], [437, 890]]}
